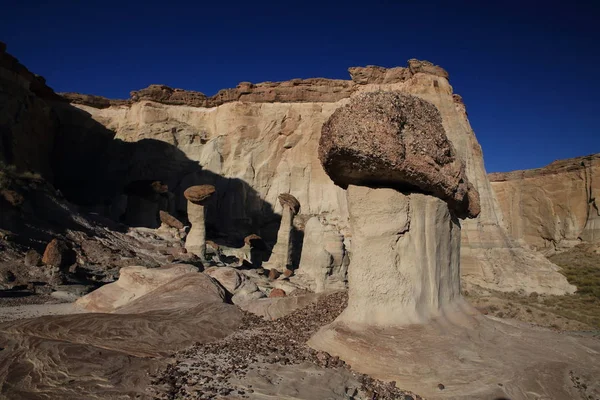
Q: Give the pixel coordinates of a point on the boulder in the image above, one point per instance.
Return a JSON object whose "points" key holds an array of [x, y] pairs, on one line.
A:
{"points": [[277, 293], [32, 258], [388, 139], [170, 220], [56, 254], [133, 283], [228, 277]]}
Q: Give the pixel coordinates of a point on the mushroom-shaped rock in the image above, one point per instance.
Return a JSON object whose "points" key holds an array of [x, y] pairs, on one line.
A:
{"points": [[195, 241], [388, 139], [197, 194], [405, 189], [281, 257], [287, 200]]}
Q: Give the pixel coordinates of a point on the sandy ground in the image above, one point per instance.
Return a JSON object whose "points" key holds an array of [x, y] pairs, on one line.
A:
{"points": [[13, 313]]}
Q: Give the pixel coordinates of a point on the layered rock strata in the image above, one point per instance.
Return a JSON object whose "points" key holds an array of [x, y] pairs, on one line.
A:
{"points": [[554, 207]]}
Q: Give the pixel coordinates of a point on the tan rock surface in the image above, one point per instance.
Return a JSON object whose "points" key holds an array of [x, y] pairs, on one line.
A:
{"points": [[405, 262], [323, 266], [133, 283], [281, 256], [474, 357], [99, 355], [554, 207], [228, 277], [272, 146]]}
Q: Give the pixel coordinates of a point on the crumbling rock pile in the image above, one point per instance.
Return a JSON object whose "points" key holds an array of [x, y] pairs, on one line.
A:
{"points": [[232, 366]]}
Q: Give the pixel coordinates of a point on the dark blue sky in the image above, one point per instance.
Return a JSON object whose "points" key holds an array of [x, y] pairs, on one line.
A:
{"points": [[527, 70]]}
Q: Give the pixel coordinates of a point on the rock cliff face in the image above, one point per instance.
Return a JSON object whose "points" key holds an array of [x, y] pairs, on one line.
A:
{"points": [[263, 138], [554, 207], [252, 143]]}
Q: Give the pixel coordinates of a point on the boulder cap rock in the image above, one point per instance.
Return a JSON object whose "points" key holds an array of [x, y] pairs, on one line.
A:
{"points": [[389, 139], [250, 238], [170, 220], [287, 199], [199, 193]]}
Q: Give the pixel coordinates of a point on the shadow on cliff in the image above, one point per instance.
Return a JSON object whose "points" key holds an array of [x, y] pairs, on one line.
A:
{"points": [[94, 170]]}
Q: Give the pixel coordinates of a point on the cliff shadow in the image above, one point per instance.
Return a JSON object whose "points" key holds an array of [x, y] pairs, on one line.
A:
{"points": [[113, 178]]}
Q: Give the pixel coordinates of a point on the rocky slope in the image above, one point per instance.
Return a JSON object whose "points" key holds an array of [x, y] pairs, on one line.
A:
{"points": [[554, 207], [38, 153], [257, 141]]}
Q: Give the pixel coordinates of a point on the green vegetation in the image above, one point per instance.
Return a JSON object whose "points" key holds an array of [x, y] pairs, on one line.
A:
{"points": [[581, 266]]}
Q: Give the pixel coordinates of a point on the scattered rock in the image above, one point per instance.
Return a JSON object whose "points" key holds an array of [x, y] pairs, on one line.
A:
{"points": [[170, 220], [273, 274], [56, 254], [277, 293]]}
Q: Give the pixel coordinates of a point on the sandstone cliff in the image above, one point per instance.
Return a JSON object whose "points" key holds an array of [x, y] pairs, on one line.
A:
{"points": [[263, 139], [554, 207]]}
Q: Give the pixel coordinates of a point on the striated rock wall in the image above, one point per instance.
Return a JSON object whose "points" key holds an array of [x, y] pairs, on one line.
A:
{"points": [[554, 207]]}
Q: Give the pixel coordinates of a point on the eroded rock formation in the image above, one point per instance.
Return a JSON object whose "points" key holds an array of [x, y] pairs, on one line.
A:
{"points": [[281, 258], [264, 141], [252, 143], [554, 207], [324, 264], [405, 260], [195, 241]]}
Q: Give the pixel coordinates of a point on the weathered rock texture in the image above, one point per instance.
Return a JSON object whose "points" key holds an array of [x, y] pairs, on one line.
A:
{"points": [[554, 207], [387, 139], [253, 142], [133, 283], [405, 261], [324, 263], [281, 257]]}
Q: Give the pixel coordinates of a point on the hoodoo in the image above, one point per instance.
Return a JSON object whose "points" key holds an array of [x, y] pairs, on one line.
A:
{"points": [[406, 190], [282, 252], [196, 197]]}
